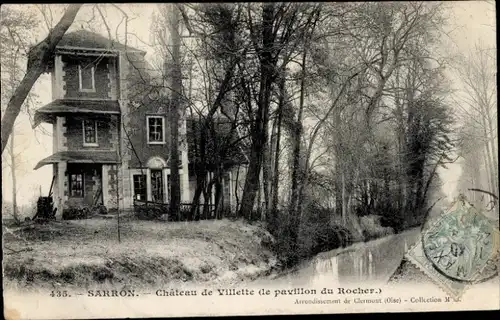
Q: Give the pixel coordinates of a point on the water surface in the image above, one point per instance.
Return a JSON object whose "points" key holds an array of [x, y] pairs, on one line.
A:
{"points": [[365, 262]]}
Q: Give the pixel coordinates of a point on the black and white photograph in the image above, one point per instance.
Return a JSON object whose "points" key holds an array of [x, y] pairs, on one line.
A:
{"points": [[248, 158]]}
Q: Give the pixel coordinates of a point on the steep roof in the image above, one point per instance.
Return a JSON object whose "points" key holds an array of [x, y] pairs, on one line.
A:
{"points": [[88, 39]]}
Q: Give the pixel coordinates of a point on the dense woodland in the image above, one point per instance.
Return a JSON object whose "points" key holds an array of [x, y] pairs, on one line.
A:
{"points": [[343, 110]]}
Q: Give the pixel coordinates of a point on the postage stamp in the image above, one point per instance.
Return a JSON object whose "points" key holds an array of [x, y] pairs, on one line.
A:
{"points": [[459, 249]]}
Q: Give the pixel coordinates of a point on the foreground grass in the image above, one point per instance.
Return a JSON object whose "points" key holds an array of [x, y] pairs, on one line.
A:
{"points": [[86, 253]]}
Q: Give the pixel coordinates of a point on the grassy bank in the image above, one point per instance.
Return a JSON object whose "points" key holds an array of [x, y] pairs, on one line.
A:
{"points": [[86, 253]]}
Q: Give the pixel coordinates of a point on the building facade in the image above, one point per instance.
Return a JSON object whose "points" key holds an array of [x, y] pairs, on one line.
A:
{"points": [[111, 129]]}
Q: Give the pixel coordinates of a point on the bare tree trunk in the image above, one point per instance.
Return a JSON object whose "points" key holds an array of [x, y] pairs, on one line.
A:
{"points": [[420, 199], [489, 157], [206, 202], [208, 197], [429, 180], [276, 175], [401, 150], [201, 181], [344, 202], [259, 138], [38, 59], [316, 129], [252, 180], [219, 195], [266, 168], [476, 179], [296, 168], [494, 152], [338, 188], [265, 179], [259, 205], [487, 168], [175, 106], [272, 152], [490, 169], [13, 173], [296, 141], [196, 202], [236, 187]]}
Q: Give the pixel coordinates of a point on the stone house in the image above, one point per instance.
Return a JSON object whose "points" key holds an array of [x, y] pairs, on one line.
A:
{"points": [[111, 130]]}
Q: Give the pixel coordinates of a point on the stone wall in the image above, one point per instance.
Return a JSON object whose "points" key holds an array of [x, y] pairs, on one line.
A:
{"points": [[112, 74], [110, 186], [106, 132], [63, 187], [71, 80], [62, 141]]}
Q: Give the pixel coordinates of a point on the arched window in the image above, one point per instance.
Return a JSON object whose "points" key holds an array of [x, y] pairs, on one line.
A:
{"points": [[156, 162], [156, 165]]}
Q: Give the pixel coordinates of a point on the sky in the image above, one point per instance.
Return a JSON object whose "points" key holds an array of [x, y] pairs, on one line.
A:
{"points": [[472, 20]]}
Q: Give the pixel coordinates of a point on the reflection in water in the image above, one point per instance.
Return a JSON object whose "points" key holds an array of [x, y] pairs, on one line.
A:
{"points": [[373, 261]]}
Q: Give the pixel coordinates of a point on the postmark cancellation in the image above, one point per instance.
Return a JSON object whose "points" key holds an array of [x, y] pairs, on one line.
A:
{"points": [[459, 249]]}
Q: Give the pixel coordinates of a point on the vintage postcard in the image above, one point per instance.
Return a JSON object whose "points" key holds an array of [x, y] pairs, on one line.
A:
{"points": [[214, 159]]}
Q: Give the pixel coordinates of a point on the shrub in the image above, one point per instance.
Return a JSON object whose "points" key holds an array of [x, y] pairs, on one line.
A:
{"points": [[76, 213], [148, 212], [319, 233], [185, 213], [331, 237], [392, 218], [316, 233], [101, 209], [372, 227]]}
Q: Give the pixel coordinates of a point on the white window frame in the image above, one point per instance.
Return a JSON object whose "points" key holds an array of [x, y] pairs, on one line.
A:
{"points": [[80, 78], [144, 174], [93, 144], [162, 129]]}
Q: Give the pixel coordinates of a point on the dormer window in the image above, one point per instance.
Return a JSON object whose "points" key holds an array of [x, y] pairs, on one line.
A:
{"points": [[90, 133], [156, 129], [86, 76]]}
